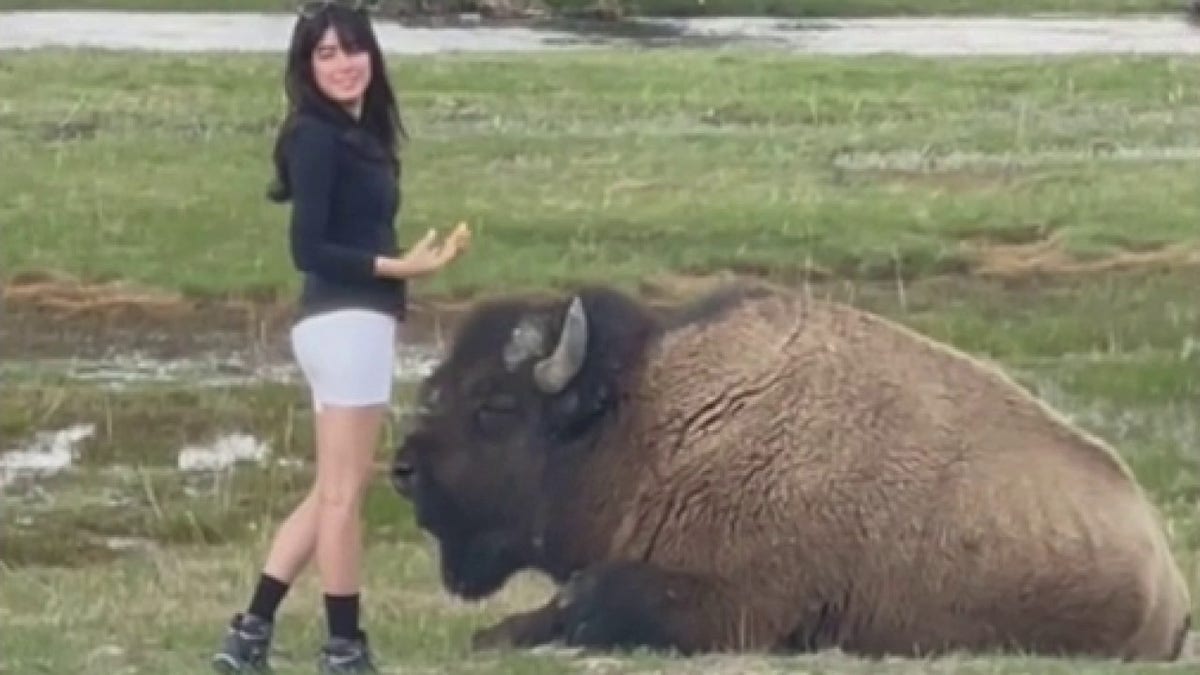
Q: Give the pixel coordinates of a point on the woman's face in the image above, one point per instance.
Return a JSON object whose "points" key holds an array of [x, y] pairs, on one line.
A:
{"points": [[340, 75]]}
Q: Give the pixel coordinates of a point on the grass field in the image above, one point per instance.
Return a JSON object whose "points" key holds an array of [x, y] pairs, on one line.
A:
{"points": [[794, 8], [1037, 212], [155, 169]]}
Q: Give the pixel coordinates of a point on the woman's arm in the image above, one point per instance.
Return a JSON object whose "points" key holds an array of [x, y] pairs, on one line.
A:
{"points": [[425, 258], [397, 268], [311, 164]]}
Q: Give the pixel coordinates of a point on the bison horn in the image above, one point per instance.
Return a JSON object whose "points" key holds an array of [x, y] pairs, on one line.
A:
{"points": [[554, 372]]}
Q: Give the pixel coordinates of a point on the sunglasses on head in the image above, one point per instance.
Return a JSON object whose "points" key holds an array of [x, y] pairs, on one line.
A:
{"points": [[310, 8]]}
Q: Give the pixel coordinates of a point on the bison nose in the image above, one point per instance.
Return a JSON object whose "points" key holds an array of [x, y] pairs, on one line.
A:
{"points": [[403, 472], [402, 477]]}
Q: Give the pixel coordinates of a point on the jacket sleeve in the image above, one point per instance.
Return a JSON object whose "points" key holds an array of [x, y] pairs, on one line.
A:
{"points": [[311, 163]]}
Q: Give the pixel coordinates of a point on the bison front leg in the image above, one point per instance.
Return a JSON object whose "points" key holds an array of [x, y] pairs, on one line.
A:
{"points": [[631, 605], [527, 629]]}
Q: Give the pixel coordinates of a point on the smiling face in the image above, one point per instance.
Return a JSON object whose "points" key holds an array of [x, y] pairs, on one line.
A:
{"points": [[340, 71]]}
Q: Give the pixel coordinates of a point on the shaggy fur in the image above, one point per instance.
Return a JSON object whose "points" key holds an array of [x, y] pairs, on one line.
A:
{"points": [[766, 471]]}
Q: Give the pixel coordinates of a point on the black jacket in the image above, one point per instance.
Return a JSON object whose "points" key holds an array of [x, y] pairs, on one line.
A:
{"points": [[345, 197]]}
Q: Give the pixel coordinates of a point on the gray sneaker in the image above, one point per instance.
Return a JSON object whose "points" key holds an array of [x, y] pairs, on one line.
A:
{"points": [[342, 656], [246, 646]]}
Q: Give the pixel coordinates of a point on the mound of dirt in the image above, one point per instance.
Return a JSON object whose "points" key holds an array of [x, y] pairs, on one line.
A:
{"points": [[66, 296], [1049, 257], [50, 313]]}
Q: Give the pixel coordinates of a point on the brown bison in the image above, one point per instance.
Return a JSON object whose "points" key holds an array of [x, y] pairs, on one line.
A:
{"points": [[767, 471]]}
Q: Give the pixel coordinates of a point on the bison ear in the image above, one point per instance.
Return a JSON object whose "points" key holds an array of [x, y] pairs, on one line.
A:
{"points": [[553, 373]]}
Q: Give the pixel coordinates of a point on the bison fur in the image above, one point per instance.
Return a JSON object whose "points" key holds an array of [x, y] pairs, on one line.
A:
{"points": [[764, 470]]}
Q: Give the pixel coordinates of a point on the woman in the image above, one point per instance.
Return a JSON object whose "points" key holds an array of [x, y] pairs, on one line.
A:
{"points": [[336, 159]]}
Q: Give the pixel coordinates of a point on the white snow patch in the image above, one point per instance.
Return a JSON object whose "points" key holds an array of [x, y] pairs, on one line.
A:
{"points": [[223, 453], [49, 453]]}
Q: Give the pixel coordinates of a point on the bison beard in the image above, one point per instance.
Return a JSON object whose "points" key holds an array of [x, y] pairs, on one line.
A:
{"points": [[763, 471], [474, 563], [480, 565]]}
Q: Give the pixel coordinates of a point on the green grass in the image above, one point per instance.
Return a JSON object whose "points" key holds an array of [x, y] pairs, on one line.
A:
{"points": [[192, 542], [793, 8], [872, 177], [150, 546], [189, 593], [610, 166]]}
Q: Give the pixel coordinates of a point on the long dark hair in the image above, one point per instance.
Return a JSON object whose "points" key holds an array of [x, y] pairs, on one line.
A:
{"points": [[380, 114]]}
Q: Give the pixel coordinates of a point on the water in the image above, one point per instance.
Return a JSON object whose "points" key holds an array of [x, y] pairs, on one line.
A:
{"points": [[133, 369], [999, 36], [50, 452]]}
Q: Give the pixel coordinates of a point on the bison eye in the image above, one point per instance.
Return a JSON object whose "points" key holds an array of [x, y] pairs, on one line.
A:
{"points": [[496, 414]]}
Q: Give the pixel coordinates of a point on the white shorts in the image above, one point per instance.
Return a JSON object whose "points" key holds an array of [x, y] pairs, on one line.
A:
{"points": [[347, 356]]}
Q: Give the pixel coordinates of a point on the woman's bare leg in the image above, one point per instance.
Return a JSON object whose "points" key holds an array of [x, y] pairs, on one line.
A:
{"points": [[248, 639], [346, 442], [292, 548], [295, 541]]}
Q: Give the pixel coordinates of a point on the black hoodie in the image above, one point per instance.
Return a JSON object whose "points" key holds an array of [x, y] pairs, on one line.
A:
{"points": [[345, 195]]}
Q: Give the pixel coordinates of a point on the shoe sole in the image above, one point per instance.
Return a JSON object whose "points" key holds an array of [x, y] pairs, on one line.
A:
{"points": [[227, 665], [356, 667]]}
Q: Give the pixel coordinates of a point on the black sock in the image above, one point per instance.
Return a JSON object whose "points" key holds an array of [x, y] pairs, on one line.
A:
{"points": [[267, 596], [342, 614]]}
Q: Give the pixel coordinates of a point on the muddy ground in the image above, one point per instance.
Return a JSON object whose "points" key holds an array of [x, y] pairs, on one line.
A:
{"points": [[51, 316], [54, 325], [54, 315]]}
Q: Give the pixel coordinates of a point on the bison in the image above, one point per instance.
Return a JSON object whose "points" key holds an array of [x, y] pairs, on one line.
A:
{"points": [[766, 470]]}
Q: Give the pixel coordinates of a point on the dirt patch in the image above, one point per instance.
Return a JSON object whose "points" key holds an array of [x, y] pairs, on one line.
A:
{"points": [[50, 314], [57, 315], [1049, 257], [116, 301]]}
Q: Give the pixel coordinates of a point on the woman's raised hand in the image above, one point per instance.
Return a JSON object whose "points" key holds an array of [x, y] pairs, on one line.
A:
{"points": [[426, 257]]}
